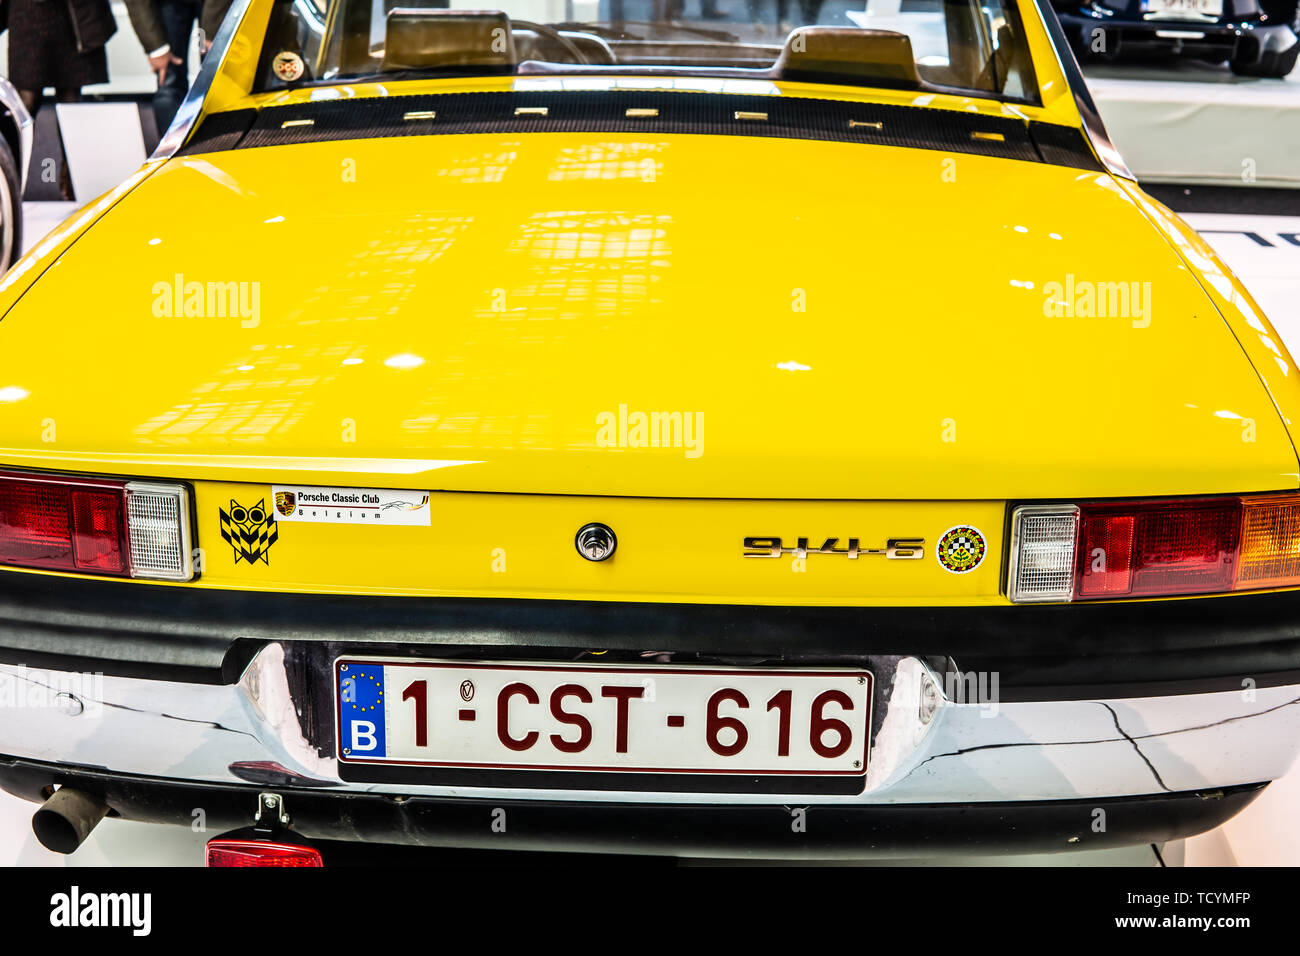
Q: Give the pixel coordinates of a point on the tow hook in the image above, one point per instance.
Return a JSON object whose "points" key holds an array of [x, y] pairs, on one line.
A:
{"points": [[271, 816]]}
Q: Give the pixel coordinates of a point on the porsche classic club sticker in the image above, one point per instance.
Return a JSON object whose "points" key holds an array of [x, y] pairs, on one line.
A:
{"points": [[961, 549], [249, 530], [373, 506]]}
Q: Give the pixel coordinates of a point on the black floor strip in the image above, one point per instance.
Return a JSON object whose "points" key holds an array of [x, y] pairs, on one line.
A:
{"points": [[1247, 200]]}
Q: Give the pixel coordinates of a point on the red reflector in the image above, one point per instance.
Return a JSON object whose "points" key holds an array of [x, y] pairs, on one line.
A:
{"points": [[223, 852], [97, 520], [1106, 561]]}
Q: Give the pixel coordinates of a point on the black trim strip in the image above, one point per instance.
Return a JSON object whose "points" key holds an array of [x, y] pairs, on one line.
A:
{"points": [[833, 831], [787, 117], [1130, 648], [1247, 200], [1063, 146], [220, 132], [578, 780]]}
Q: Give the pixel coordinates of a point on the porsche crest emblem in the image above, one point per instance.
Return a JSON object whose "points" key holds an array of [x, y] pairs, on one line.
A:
{"points": [[284, 502], [250, 531]]}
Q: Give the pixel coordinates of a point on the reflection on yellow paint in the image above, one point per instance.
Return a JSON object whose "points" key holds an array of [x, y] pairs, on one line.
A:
{"points": [[488, 167], [633, 160]]}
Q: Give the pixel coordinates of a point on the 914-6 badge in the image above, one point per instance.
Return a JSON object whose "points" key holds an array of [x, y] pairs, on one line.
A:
{"points": [[250, 531], [962, 549]]}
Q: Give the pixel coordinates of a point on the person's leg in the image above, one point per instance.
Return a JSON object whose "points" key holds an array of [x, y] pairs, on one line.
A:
{"points": [[179, 17], [66, 94], [32, 100]]}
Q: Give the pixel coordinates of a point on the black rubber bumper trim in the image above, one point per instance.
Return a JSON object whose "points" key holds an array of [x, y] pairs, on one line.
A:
{"points": [[1074, 651], [827, 831]]}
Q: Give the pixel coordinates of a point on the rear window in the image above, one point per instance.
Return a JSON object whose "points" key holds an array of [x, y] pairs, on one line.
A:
{"points": [[964, 46]]}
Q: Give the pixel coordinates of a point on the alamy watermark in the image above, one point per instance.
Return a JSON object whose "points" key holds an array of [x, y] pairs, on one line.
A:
{"points": [[1084, 299], [74, 909], [22, 688], [974, 687], [633, 429], [180, 298]]}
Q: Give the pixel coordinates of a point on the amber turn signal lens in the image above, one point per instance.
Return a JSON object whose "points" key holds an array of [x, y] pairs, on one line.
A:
{"points": [[1270, 543]]}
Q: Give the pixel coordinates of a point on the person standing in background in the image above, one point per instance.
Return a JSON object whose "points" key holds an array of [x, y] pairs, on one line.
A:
{"points": [[59, 44], [164, 28]]}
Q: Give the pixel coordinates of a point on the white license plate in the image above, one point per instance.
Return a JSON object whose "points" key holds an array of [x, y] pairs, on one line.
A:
{"points": [[673, 720], [1209, 8]]}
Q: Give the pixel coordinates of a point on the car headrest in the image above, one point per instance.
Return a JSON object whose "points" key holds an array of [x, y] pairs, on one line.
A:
{"points": [[882, 56], [422, 39]]}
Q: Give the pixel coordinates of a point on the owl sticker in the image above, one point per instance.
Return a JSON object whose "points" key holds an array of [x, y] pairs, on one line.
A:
{"points": [[250, 531]]}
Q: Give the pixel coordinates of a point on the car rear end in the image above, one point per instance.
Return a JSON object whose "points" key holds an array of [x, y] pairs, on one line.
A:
{"points": [[1055, 688], [634, 466], [1243, 33]]}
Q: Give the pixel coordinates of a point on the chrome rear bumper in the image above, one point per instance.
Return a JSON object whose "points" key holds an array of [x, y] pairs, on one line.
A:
{"points": [[252, 732]]}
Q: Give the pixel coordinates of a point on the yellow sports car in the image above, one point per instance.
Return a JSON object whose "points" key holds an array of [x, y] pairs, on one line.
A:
{"points": [[734, 432]]}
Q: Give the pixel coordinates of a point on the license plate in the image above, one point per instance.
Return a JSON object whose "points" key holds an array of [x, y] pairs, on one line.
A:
{"points": [[1209, 8], [667, 720]]}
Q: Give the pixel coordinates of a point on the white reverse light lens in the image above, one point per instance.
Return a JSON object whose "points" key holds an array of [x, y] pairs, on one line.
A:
{"points": [[1043, 541], [158, 528]]}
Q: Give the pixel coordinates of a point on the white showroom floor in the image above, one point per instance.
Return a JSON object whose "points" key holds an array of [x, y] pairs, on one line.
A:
{"points": [[1265, 834]]}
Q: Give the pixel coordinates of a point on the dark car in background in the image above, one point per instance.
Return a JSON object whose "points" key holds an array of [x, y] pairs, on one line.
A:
{"points": [[1254, 37]]}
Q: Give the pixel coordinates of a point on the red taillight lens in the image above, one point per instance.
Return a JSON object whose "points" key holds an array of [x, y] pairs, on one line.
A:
{"points": [[224, 852], [1186, 548], [35, 525], [62, 523], [1151, 548]]}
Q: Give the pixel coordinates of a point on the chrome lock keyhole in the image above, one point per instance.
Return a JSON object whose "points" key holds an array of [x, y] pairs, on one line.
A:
{"points": [[596, 542]]}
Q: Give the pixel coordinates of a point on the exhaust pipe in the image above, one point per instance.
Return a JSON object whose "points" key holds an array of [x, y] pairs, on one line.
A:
{"points": [[65, 820]]}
